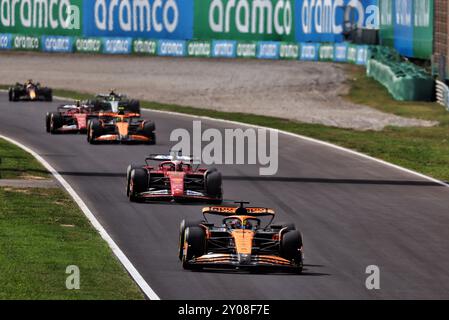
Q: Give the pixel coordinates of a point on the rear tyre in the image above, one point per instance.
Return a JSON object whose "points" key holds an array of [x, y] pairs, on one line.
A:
{"points": [[148, 131], [213, 184], [182, 229], [56, 122], [196, 246], [134, 106], [291, 243], [138, 184], [94, 131], [47, 94], [10, 94]]}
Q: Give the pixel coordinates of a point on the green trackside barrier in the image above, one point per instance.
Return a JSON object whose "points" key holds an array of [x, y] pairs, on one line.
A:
{"points": [[26, 42], [199, 48], [326, 52], [289, 51], [144, 47], [88, 45], [247, 49], [404, 80]]}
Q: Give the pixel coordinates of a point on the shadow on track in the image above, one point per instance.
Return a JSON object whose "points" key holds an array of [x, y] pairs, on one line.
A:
{"points": [[422, 183]]}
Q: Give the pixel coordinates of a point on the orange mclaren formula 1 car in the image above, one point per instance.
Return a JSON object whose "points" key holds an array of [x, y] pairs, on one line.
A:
{"points": [[120, 127], [30, 91], [240, 241], [175, 178]]}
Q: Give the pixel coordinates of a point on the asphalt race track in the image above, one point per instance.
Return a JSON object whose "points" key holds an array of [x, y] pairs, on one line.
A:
{"points": [[353, 213]]}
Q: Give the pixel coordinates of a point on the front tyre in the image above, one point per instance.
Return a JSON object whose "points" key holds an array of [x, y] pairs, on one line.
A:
{"points": [[138, 183], [47, 122], [291, 245], [195, 240]]}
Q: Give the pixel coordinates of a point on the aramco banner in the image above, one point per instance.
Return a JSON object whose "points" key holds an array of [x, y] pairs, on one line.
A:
{"points": [[41, 17], [207, 20], [327, 20], [159, 19], [408, 26]]}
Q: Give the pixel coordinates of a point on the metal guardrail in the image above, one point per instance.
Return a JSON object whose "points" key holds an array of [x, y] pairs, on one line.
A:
{"points": [[442, 94]]}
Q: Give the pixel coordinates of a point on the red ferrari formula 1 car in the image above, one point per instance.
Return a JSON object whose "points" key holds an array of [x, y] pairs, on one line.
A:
{"points": [[241, 241], [176, 178], [70, 118]]}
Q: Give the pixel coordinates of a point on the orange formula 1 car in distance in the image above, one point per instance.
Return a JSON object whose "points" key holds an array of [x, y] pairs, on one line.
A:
{"points": [[120, 127], [240, 241]]}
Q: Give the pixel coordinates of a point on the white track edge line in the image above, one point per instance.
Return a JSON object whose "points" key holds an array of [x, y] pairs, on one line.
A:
{"points": [[147, 290], [301, 137]]}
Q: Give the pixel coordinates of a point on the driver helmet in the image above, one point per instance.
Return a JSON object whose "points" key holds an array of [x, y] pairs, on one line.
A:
{"points": [[247, 225], [236, 224]]}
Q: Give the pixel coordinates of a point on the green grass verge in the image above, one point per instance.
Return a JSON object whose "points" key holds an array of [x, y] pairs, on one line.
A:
{"points": [[422, 149], [17, 164], [42, 232]]}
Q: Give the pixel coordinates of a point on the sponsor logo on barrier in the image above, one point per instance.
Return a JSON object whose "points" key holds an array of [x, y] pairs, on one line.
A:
{"points": [[5, 41], [57, 44], [423, 11], [257, 16], [149, 18], [352, 54], [245, 19], [324, 20], [309, 52], [326, 53], [403, 10], [246, 50], [224, 49], [268, 50], [26, 43], [40, 14], [88, 45], [199, 49], [341, 50], [289, 51], [362, 55], [145, 47], [117, 45], [174, 48]]}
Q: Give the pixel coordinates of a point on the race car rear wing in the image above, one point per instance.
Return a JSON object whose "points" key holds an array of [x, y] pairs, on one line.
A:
{"points": [[175, 156], [235, 211]]}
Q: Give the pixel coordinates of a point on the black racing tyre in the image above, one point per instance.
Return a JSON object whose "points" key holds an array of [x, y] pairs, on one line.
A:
{"points": [[48, 95], [213, 184], [15, 95], [152, 137], [56, 122], [182, 229], [10, 94], [134, 107], [138, 183], [130, 168], [196, 246], [94, 131], [149, 126], [148, 131], [291, 243], [47, 121]]}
